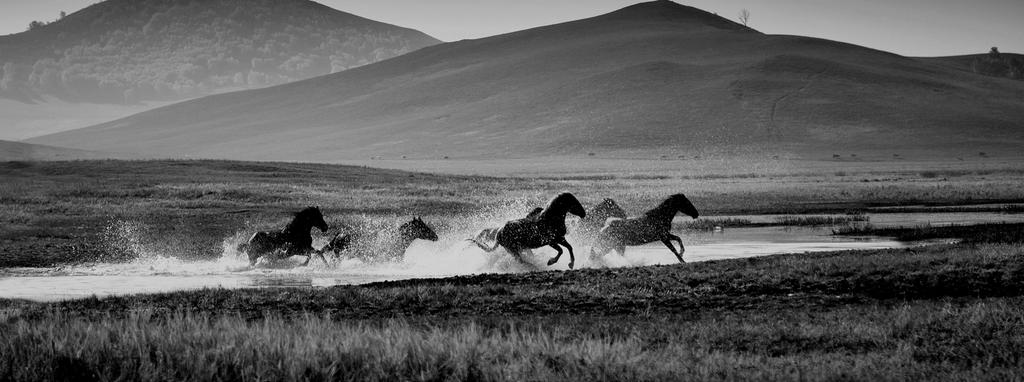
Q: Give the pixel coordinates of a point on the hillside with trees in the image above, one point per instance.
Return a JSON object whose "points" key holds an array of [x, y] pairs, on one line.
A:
{"points": [[127, 51]]}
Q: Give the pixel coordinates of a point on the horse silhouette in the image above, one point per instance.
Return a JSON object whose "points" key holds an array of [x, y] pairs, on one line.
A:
{"points": [[546, 228], [654, 225], [384, 245], [598, 216], [293, 240]]}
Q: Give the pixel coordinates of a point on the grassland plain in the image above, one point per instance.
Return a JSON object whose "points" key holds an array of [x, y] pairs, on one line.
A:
{"points": [[58, 212], [944, 312]]}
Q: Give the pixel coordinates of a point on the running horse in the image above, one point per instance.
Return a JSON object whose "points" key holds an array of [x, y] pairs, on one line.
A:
{"points": [[386, 245], [598, 216], [293, 240], [654, 225], [544, 229]]}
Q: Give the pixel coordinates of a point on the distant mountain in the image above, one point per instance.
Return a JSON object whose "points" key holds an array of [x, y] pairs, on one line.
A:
{"points": [[656, 78], [124, 51], [18, 151]]}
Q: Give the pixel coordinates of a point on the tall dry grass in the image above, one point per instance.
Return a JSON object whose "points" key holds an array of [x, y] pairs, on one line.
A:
{"points": [[923, 340]]}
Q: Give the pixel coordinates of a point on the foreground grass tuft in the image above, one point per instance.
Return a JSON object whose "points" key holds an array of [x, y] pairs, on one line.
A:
{"points": [[953, 340]]}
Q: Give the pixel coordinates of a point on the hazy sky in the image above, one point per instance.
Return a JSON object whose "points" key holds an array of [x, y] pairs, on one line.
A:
{"points": [[908, 27]]}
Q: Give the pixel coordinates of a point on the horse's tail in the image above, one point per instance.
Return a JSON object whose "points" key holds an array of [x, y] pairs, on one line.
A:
{"points": [[244, 247], [485, 235], [484, 247], [488, 234]]}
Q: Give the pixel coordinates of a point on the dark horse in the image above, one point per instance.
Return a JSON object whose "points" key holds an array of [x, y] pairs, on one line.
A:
{"points": [[654, 225], [293, 240], [544, 229], [386, 245], [598, 216]]}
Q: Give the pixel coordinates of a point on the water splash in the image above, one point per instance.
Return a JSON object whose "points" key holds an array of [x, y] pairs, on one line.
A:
{"points": [[151, 265]]}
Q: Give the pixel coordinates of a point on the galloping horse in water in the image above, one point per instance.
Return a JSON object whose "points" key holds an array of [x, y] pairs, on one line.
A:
{"points": [[386, 245], [293, 240], [598, 216], [544, 229], [654, 225]]}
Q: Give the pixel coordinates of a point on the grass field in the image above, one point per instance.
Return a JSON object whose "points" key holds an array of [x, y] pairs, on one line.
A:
{"points": [[938, 313], [58, 212], [942, 312]]}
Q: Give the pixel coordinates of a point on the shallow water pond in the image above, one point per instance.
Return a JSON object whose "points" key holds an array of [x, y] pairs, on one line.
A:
{"points": [[154, 273]]}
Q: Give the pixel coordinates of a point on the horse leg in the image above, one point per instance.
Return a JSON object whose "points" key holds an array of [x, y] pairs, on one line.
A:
{"points": [[321, 254], [678, 240], [518, 254], [621, 249], [668, 243], [309, 256], [572, 256], [254, 255], [559, 255], [600, 246], [595, 253]]}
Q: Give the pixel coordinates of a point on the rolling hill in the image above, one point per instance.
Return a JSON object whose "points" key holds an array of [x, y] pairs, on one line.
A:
{"points": [[18, 151], [656, 78], [52, 115], [127, 56], [123, 51]]}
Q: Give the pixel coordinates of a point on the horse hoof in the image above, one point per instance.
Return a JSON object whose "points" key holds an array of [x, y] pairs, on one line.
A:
{"points": [[570, 265], [553, 261]]}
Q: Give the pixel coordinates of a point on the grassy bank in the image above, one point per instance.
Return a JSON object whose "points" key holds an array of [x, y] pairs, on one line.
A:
{"points": [[918, 340], [979, 233], [932, 313]]}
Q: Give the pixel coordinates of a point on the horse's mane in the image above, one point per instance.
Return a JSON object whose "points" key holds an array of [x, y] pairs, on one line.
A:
{"points": [[559, 200], [668, 206], [664, 207], [307, 211], [408, 225], [534, 213], [609, 207], [301, 216], [414, 225]]}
